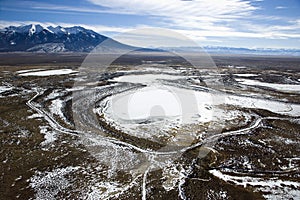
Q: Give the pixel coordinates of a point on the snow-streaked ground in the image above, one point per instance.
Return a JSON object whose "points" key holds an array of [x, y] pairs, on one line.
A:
{"points": [[5, 88], [49, 184], [277, 189], [290, 109], [156, 109], [276, 86], [159, 106]]}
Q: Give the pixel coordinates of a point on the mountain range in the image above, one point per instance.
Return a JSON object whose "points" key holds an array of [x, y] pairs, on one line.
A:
{"points": [[236, 50], [37, 38]]}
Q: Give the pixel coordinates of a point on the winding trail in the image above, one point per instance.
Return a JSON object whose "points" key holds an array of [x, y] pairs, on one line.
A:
{"points": [[56, 126]]}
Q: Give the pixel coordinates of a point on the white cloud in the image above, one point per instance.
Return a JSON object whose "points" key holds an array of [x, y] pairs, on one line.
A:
{"points": [[201, 20], [173, 12], [207, 18], [182, 12], [280, 7]]}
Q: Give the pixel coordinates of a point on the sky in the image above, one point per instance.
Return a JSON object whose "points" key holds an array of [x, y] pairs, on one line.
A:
{"points": [[231, 23]]}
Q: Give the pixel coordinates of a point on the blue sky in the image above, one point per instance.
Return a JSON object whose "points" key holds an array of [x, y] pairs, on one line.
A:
{"points": [[234, 23]]}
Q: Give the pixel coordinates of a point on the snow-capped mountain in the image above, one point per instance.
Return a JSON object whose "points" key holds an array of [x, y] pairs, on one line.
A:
{"points": [[36, 38]]}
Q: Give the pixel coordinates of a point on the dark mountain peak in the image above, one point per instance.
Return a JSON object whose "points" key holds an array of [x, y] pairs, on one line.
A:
{"points": [[26, 29], [57, 30]]}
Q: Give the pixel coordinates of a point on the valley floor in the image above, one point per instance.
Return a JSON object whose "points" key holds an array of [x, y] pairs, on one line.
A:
{"points": [[149, 127]]}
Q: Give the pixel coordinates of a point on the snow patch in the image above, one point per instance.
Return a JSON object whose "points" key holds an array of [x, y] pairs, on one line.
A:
{"points": [[246, 75], [48, 184], [46, 28], [28, 70], [35, 115], [50, 136], [276, 86], [270, 105], [56, 108], [5, 88], [49, 72], [32, 30]]}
